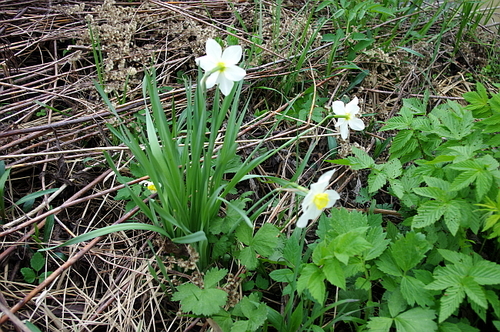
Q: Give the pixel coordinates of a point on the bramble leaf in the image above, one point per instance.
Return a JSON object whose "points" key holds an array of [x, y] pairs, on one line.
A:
{"points": [[248, 257], [450, 302], [334, 273], [376, 180], [266, 240], [409, 250], [474, 291], [213, 276], [379, 324], [428, 213], [361, 160], [349, 244], [486, 272], [312, 278], [416, 320], [413, 291], [199, 301], [478, 101], [282, 275]]}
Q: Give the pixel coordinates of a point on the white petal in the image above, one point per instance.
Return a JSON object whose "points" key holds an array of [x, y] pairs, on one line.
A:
{"points": [[302, 222], [310, 214], [356, 124], [206, 63], [234, 73], [323, 181], [326, 176], [212, 79], [344, 130], [333, 196], [338, 107], [225, 85], [214, 50], [308, 200], [352, 107], [232, 55]]}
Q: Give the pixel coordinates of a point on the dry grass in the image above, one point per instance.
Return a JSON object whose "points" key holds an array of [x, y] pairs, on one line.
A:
{"points": [[53, 131]]}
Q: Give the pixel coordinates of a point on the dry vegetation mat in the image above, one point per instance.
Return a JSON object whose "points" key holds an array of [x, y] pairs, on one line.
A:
{"points": [[300, 57]]}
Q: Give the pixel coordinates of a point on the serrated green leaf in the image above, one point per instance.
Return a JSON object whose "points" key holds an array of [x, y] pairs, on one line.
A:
{"points": [[450, 302], [240, 326], [393, 168], [397, 188], [316, 286], [449, 327], [464, 179], [478, 101], [334, 273], [409, 250], [291, 251], [199, 301], [376, 180], [396, 302], [256, 312], [266, 241], [444, 281], [398, 123], [484, 181], [213, 276], [248, 257], [432, 181], [361, 160], [486, 273], [416, 320], [387, 264], [474, 291], [452, 216], [493, 299], [341, 221], [432, 192], [282, 275], [438, 160], [403, 143], [379, 324], [377, 238], [312, 278], [244, 233], [455, 257], [350, 244], [428, 213], [413, 291]]}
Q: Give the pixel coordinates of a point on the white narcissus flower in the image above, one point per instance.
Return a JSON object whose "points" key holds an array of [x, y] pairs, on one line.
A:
{"points": [[349, 111], [317, 200], [150, 186], [222, 65]]}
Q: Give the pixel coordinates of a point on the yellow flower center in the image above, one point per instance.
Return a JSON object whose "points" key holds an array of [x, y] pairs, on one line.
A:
{"points": [[321, 200], [221, 66], [151, 187]]}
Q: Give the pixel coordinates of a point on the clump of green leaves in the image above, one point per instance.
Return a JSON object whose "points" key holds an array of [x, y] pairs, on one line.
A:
{"points": [[205, 299], [34, 272], [442, 166]]}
